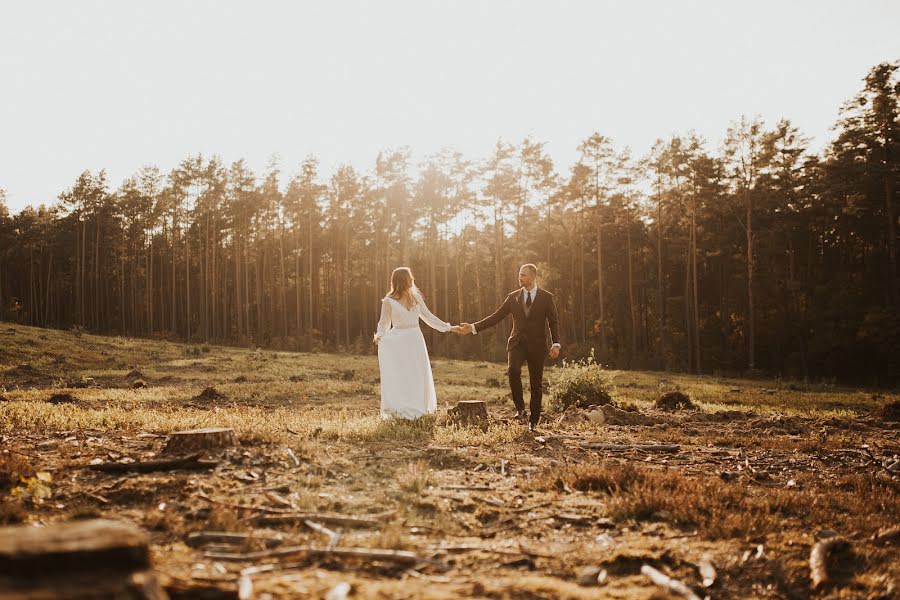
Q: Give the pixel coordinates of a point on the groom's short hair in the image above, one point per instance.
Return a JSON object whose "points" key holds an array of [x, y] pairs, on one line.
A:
{"points": [[531, 267]]}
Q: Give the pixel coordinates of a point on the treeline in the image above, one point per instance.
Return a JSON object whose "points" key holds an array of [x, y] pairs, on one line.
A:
{"points": [[759, 256]]}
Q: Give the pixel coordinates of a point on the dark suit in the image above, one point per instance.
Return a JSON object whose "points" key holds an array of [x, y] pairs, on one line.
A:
{"points": [[528, 342]]}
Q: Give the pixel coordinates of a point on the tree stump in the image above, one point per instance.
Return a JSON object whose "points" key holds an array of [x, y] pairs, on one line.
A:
{"points": [[195, 440], [99, 559], [470, 413]]}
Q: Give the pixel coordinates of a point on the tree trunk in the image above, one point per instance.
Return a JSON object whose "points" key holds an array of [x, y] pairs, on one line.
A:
{"points": [[603, 341], [696, 292], [122, 292], [309, 272], [891, 225], [660, 299], [174, 275], [346, 284], [460, 274], [582, 279], [283, 329], [79, 232], [47, 291], [260, 265], [498, 265], [31, 307], [688, 325], [297, 279], [245, 250], [97, 274], [150, 283], [446, 306], [631, 295], [751, 351], [238, 297], [188, 315]]}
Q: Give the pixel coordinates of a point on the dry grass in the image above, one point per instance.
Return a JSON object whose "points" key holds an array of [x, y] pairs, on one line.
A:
{"points": [[721, 510], [415, 477], [773, 473]]}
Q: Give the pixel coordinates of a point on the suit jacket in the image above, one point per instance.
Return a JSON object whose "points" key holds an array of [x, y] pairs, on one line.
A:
{"points": [[530, 329]]}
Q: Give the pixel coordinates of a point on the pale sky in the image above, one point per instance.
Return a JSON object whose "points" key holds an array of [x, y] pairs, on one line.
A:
{"points": [[120, 84]]}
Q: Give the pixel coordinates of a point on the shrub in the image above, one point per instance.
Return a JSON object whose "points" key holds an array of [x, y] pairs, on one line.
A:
{"points": [[581, 383]]}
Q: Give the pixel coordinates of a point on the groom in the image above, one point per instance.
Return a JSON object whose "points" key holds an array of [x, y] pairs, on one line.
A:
{"points": [[532, 309]]}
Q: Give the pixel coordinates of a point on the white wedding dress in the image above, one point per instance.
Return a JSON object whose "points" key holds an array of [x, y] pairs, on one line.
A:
{"points": [[407, 385]]}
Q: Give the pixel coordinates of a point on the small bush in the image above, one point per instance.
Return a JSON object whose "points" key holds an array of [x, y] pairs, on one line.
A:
{"points": [[581, 383]]}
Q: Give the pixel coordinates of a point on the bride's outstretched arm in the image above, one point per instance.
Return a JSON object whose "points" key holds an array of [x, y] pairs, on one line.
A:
{"points": [[384, 323], [431, 320]]}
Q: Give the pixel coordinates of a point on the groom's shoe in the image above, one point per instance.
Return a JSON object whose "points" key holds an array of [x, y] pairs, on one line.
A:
{"points": [[519, 415], [532, 427]]}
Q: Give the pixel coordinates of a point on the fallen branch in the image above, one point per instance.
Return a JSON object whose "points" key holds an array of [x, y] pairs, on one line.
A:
{"points": [[191, 461], [667, 448], [707, 571], [398, 556], [19, 452], [505, 551], [372, 521], [198, 538], [890, 534], [818, 558], [280, 500], [490, 500], [510, 524], [268, 509], [96, 497], [293, 457], [245, 587], [530, 508], [333, 536], [669, 584]]}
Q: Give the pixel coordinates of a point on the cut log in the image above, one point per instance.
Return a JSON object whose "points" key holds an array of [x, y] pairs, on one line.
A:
{"points": [[379, 554], [337, 520], [672, 586], [665, 448], [470, 413], [185, 462], [195, 440], [818, 559], [97, 559], [196, 539]]}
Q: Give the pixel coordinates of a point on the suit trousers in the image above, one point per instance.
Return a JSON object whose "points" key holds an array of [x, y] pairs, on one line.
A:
{"points": [[534, 357]]}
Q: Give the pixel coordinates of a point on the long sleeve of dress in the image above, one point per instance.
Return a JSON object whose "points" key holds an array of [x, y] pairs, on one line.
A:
{"points": [[431, 320], [384, 323]]}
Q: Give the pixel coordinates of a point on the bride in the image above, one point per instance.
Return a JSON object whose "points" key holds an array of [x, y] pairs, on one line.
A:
{"points": [[407, 386]]}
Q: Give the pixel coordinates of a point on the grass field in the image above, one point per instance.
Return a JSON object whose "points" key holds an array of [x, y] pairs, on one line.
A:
{"points": [[749, 480]]}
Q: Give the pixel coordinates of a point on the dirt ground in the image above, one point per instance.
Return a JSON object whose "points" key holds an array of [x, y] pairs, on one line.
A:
{"points": [[320, 492]]}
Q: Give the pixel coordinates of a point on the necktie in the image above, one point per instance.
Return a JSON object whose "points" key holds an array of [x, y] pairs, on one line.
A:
{"points": [[528, 302]]}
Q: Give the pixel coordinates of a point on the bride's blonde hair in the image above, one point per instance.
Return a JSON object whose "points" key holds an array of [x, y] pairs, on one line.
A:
{"points": [[402, 281]]}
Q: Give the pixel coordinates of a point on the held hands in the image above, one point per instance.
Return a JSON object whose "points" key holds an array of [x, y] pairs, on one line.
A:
{"points": [[554, 352], [461, 329]]}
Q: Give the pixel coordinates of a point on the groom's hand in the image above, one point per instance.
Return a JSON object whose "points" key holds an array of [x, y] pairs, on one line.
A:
{"points": [[466, 328], [554, 352]]}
